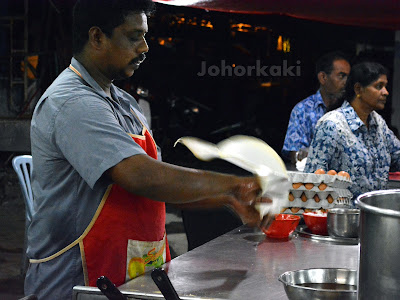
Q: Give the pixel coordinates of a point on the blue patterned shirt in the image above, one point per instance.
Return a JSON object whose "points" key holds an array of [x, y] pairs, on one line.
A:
{"points": [[303, 119], [343, 142]]}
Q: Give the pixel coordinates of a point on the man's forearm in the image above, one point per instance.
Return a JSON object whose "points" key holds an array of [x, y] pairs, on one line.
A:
{"points": [[160, 181], [208, 203]]}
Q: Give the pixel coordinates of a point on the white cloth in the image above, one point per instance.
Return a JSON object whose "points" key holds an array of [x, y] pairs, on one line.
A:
{"points": [[301, 164]]}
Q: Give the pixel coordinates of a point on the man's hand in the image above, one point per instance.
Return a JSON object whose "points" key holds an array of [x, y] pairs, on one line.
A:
{"points": [[266, 221], [296, 156], [249, 214], [301, 154], [247, 190], [246, 199]]}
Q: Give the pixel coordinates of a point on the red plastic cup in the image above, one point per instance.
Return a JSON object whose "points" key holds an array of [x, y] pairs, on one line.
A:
{"points": [[282, 226], [317, 222]]}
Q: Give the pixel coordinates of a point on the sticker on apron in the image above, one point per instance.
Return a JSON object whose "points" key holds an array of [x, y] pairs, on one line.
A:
{"points": [[137, 262]]}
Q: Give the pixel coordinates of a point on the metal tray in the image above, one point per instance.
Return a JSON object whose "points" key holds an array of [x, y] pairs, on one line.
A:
{"points": [[303, 231]]}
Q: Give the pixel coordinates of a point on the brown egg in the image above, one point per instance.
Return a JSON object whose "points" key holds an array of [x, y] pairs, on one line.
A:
{"points": [[316, 198], [296, 185], [330, 199], [331, 172], [308, 210], [295, 209], [303, 197], [283, 209], [322, 186], [309, 186], [291, 197], [320, 171], [344, 174]]}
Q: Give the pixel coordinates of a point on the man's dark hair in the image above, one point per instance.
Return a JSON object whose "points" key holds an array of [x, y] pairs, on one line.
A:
{"points": [[363, 73], [325, 62], [106, 14]]}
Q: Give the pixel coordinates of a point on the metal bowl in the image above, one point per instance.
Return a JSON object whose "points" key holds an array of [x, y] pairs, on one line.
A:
{"points": [[327, 283], [343, 222]]}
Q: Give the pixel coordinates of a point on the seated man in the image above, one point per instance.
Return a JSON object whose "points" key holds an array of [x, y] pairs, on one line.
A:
{"points": [[332, 70]]}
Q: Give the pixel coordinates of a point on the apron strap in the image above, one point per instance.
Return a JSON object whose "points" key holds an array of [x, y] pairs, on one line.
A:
{"points": [[71, 67], [79, 239]]}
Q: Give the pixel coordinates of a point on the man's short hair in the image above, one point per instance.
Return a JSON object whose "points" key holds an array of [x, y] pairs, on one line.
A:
{"points": [[325, 62], [106, 14]]}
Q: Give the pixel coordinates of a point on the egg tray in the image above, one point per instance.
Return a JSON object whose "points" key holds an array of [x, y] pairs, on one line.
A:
{"points": [[310, 194], [311, 199], [332, 181], [301, 210], [323, 194], [325, 204]]}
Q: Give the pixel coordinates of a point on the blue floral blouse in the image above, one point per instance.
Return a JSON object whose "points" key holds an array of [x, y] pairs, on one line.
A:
{"points": [[303, 119], [343, 142]]}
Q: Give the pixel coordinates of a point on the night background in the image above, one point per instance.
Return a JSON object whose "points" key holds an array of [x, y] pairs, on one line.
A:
{"points": [[180, 40]]}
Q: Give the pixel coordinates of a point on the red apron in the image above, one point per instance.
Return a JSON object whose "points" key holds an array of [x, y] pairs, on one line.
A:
{"points": [[126, 236]]}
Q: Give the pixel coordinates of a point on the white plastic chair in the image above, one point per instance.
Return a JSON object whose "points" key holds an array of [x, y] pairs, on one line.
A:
{"points": [[23, 167], [145, 106]]}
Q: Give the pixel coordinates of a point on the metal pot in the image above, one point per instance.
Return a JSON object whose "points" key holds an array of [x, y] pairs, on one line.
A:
{"points": [[379, 266], [343, 222]]}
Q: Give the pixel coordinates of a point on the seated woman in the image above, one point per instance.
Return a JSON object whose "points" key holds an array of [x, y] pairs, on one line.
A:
{"points": [[356, 139]]}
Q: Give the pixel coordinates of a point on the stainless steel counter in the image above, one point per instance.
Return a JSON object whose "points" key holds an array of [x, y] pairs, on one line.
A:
{"points": [[242, 264]]}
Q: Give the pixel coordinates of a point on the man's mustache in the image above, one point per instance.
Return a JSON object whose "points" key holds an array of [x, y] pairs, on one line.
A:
{"points": [[139, 59]]}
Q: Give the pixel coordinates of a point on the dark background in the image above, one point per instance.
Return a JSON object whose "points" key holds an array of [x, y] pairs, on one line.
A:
{"points": [[209, 107]]}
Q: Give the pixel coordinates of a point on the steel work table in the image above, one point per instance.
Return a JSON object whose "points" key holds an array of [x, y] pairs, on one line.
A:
{"points": [[241, 264]]}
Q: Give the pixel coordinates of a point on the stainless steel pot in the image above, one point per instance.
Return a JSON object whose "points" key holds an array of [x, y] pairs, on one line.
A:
{"points": [[343, 222], [379, 266]]}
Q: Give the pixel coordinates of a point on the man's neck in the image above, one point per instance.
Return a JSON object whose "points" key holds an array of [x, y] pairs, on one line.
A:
{"points": [[329, 99], [92, 68]]}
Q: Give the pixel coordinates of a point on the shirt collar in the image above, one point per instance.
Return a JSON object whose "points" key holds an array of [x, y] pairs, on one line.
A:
{"points": [[353, 119], [93, 83], [318, 101]]}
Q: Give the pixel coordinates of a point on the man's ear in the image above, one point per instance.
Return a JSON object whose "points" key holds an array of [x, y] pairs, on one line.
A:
{"points": [[96, 37], [322, 77]]}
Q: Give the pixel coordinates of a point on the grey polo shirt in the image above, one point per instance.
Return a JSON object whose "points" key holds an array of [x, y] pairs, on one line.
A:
{"points": [[77, 133]]}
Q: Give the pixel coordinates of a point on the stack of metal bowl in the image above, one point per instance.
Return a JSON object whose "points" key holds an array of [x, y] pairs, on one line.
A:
{"points": [[343, 222]]}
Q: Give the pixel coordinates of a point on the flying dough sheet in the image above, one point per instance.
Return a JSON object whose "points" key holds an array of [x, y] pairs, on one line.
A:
{"points": [[253, 155]]}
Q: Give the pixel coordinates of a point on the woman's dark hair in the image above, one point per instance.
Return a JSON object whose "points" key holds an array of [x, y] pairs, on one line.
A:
{"points": [[106, 14], [363, 73]]}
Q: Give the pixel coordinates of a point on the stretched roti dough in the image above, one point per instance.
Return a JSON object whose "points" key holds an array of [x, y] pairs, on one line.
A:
{"points": [[253, 155]]}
